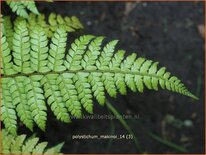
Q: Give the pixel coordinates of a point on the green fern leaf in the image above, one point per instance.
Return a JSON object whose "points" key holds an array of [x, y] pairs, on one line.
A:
{"points": [[35, 20], [84, 91], [106, 55], [69, 94], [68, 81], [21, 48], [8, 30], [54, 150], [8, 109], [39, 149], [118, 77], [36, 100], [91, 55], [6, 63], [67, 23], [55, 21], [39, 52], [7, 140], [40, 20], [22, 145], [29, 145], [19, 95], [75, 54], [30, 5], [57, 50], [55, 100], [19, 7], [17, 143], [126, 66], [2, 24], [97, 87]]}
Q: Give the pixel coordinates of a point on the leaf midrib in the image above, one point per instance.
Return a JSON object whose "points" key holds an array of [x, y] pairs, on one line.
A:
{"points": [[86, 71]]}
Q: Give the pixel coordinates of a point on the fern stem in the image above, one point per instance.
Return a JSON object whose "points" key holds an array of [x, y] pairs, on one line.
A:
{"points": [[161, 140], [93, 71], [85, 71], [124, 124], [112, 131], [166, 142]]}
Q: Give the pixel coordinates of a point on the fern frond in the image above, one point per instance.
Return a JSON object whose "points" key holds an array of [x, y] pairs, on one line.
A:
{"points": [[22, 145], [39, 50], [75, 54], [55, 21], [45, 73], [57, 50], [55, 100], [21, 48], [19, 95], [19, 7], [69, 94], [6, 63], [36, 100], [8, 113]]}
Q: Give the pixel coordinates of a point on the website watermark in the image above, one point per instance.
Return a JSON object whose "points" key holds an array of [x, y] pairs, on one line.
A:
{"points": [[108, 117]]}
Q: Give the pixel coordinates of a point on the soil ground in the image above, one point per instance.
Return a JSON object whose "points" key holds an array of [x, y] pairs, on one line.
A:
{"points": [[163, 31]]}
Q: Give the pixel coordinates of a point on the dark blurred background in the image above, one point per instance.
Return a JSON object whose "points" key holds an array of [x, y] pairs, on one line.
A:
{"points": [[168, 32]]}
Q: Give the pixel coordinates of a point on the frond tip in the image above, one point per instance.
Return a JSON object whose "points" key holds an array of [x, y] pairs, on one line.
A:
{"points": [[22, 145], [38, 71]]}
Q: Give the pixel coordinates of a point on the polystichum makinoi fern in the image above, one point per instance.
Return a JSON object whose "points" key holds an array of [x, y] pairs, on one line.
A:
{"points": [[37, 70]]}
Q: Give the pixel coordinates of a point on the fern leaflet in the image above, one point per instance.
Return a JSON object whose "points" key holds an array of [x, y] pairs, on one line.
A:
{"points": [[20, 7], [55, 21]]}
